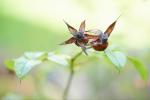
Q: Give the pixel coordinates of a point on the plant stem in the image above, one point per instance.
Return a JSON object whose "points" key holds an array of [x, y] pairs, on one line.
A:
{"points": [[67, 88], [66, 91]]}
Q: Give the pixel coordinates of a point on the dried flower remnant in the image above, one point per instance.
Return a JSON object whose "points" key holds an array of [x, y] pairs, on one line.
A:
{"points": [[101, 43], [80, 37]]}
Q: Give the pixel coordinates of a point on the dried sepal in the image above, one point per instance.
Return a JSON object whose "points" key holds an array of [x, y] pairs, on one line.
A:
{"points": [[111, 27], [71, 29], [82, 26], [79, 37], [69, 41], [93, 37]]}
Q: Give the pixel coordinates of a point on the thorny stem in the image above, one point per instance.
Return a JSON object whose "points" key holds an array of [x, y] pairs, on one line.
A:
{"points": [[67, 88]]}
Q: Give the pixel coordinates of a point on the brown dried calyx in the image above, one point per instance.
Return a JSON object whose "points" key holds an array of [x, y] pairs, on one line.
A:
{"points": [[99, 41], [80, 37]]}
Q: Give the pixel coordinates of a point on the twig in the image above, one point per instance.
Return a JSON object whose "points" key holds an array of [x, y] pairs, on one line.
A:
{"points": [[67, 88]]}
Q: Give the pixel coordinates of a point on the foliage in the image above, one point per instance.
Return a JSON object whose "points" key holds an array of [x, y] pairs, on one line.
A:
{"points": [[139, 67], [117, 57], [29, 60]]}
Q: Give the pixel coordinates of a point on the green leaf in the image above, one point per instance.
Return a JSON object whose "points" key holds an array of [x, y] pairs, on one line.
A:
{"points": [[60, 59], [139, 67], [29, 60], [35, 55], [9, 64], [117, 57], [24, 65]]}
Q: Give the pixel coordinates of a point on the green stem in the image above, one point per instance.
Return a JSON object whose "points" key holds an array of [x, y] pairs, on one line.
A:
{"points": [[67, 88]]}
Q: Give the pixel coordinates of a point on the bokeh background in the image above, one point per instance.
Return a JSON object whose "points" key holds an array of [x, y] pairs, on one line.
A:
{"points": [[37, 25]]}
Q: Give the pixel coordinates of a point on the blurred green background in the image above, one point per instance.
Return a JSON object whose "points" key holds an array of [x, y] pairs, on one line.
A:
{"points": [[37, 25]]}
